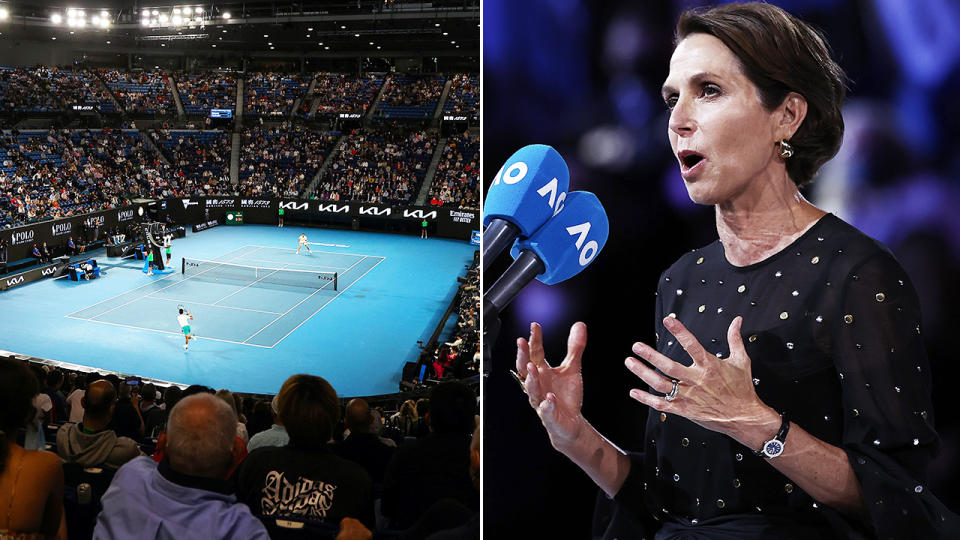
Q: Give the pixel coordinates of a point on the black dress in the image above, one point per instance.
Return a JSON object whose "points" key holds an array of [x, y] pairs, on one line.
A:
{"points": [[832, 327]]}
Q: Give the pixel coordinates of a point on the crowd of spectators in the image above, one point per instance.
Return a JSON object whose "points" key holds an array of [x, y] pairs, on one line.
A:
{"points": [[171, 462], [337, 93], [143, 92], [75, 88], [21, 92], [273, 95], [464, 97], [282, 160], [202, 92], [457, 180], [200, 160], [413, 90], [59, 173], [378, 166]]}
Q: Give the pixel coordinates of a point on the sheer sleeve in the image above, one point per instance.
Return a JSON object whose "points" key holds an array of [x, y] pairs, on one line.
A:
{"points": [[888, 416], [631, 495]]}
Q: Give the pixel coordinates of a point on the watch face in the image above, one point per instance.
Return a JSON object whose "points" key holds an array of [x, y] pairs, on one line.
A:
{"points": [[773, 448]]}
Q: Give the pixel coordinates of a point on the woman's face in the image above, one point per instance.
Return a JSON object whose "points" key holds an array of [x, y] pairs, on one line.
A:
{"points": [[719, 130]]}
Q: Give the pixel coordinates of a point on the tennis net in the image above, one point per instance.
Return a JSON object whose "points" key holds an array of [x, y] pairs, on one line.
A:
{"points": [[216, 270]]}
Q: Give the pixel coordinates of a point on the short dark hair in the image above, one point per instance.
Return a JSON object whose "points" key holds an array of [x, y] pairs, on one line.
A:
{"points": [[181, 312], [149, 392], [18, 385], [309, 409], [780, 54], [97, 403], [54, 378], [452, 407]]}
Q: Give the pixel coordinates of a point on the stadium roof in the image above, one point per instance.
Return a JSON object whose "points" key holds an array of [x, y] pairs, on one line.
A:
{"points": [[308, 29]]}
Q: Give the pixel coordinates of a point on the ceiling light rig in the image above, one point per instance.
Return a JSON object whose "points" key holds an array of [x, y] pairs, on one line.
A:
{"points": [[177, 17], [77, 18]]}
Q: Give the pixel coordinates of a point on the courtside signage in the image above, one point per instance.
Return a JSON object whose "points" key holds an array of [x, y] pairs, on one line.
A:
{"points": [[60, 229], [22, 237]]}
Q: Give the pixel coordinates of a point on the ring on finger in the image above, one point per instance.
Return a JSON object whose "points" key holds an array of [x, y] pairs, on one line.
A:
{"points": [[673, 392]]}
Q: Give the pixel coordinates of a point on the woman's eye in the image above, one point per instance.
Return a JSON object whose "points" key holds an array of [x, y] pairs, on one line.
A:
{"points": [[710, 90]]}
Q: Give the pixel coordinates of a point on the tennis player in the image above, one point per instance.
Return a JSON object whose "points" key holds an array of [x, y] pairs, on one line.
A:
{"points": [[303, 243], [184, 319]]}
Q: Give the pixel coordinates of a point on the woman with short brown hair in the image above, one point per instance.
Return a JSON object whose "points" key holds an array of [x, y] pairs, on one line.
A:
{"points": [[789, 387]]}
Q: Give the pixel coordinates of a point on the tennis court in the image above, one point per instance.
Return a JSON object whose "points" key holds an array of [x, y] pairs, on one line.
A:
{"points": [[258, 303], [256, 327]]}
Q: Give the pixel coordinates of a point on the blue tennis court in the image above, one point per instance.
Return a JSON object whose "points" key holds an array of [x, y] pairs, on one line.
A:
{"points": [[261, 310]]}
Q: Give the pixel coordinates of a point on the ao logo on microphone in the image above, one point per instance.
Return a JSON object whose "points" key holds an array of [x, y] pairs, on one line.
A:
{"points": [[517, 171], [588, 251]]}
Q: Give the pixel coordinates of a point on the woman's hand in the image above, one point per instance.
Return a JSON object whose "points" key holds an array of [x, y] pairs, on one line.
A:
{"points": [[555, 393], [716, 393]]}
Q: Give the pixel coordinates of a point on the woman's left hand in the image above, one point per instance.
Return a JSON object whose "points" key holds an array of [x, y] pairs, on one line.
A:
{"points": [[716, 393]]}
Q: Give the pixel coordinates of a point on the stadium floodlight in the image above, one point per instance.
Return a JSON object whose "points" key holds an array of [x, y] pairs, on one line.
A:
{"points": [[176, 20], [56, 18], [104, 22], [145, 21], [155, 13], [4, 14], [198, 9], [176, 11], [104, 15], [163, 18]]}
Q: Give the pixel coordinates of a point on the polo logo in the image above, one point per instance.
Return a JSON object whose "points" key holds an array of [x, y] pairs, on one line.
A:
{"points": [[374, 211], [125, 215], [333, 208], [96, 221], [22, 237], [59, 229]]}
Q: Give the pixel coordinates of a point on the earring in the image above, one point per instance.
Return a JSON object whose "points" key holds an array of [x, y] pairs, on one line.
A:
{"points": [[785, 149]]}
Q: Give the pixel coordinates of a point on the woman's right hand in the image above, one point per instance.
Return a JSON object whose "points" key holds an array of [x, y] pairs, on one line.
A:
{"points": [[556, 393]]}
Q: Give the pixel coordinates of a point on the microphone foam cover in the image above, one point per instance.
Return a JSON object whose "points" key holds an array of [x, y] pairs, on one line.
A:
{"points": [[528, 188], [570, 240]]}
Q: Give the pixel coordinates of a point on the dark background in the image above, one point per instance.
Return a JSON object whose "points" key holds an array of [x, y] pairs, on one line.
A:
{"points": [[584, 77]]}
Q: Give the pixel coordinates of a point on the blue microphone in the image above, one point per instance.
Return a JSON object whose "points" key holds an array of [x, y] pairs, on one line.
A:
{"points": [[559, 250], [526, 192]]}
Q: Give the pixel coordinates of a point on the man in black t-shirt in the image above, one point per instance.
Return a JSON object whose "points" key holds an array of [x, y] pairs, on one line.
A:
{"points": [[306, 479]]}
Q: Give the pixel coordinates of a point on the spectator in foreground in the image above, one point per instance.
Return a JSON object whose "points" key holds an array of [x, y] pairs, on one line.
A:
{"points": [[363, 446], [91, 443], [186, 495], [305, 478], [275, 436], [31, 482], [436, 466]]}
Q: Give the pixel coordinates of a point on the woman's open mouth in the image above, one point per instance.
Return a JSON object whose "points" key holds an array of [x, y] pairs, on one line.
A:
{"points": [[691, 163]]}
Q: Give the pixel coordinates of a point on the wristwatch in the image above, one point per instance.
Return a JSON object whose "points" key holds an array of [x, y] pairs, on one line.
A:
{"points": [[774, 447]]}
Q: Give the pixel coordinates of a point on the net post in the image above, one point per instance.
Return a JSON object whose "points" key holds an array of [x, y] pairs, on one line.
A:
{"points": [[335, 281], [183, 265]]}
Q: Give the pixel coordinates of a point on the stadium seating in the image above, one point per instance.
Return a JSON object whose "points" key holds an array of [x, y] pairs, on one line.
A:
{"points": [[457, 180], [200, 93], [337, 93], [201, 159], [143, 92], [411, 97], [281, 161], [464, 97], [377, 165], [272, 95]]}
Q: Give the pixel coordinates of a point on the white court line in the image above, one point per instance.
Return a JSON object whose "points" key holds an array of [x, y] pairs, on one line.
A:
{"points": [[323, 244], [330, 252], [325, 304], [250, 284], [151, 283], [295, 264], [192, 303], [288, 311], [163, 288], [167, 332]]}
